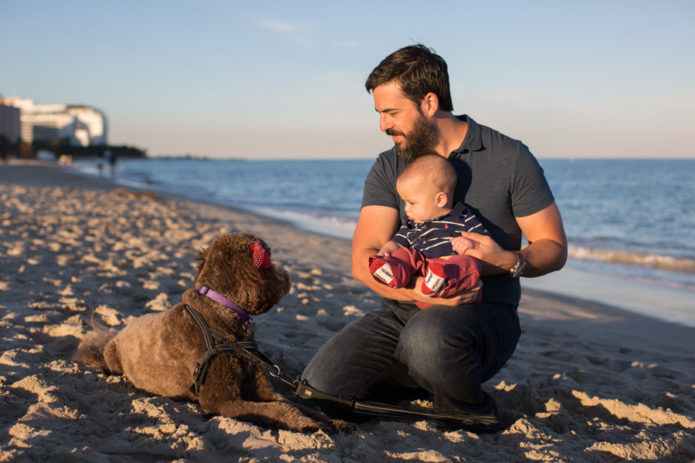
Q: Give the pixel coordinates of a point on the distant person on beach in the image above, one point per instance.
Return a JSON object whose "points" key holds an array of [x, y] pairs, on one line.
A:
{"points": [[450, 348], [424, 245], [111, 155]]}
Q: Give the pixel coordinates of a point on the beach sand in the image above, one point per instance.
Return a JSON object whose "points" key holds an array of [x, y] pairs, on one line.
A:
{"points": [[588, 382]]}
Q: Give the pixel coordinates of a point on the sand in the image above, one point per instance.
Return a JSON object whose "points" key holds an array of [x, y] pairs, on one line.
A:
{"points": [[588, 382]]}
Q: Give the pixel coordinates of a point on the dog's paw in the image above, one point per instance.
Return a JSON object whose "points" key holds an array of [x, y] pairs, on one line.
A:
{"points": [[343, 426], [321, 422], [307, 425], [328, 424], [331, 424]]}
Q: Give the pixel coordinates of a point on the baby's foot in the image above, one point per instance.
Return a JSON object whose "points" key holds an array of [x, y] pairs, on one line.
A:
{"points": [[381, 270], [435, 280]]}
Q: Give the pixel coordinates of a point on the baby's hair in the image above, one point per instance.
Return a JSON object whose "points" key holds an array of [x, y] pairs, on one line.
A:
{"points": [[435, 170]]}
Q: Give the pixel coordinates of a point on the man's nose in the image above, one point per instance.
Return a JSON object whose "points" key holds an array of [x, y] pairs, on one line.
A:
{"points": [[385, 123]]}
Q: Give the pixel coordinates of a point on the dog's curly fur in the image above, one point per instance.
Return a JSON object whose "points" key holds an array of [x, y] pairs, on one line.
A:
{"points": [[158, 352]]}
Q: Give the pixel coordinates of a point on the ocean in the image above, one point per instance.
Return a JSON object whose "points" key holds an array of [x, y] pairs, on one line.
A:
{"points": [[629, 222]]}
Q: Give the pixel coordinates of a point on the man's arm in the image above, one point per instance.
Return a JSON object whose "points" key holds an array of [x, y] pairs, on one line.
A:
{"points": [[375, 226], [546, 252]]}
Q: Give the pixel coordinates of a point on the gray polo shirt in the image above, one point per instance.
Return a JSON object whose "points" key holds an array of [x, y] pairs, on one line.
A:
{"points": [[498, 178]]}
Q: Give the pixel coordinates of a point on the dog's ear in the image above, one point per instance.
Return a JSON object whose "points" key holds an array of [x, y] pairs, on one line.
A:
{"points": [[201, 263]]}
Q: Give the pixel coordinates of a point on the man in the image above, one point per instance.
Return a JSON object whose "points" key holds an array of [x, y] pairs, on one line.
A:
{"points": [[450, 348]]}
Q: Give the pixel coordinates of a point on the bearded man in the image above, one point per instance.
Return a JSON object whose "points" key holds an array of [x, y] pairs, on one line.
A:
{"points": [[450, 348]]}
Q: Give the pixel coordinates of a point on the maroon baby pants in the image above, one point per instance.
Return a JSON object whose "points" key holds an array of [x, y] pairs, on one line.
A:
{"points": [[443, 276]]}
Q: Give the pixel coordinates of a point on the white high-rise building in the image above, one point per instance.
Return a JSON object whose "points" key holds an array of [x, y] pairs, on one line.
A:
{"points": [[92, 127], [80, 125]]}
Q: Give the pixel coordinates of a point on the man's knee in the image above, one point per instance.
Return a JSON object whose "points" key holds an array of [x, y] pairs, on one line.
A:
{"points": [[429, 343], [350, 361]]}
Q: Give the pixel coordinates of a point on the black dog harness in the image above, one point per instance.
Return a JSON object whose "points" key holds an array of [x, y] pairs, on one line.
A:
{"points": [[249, 350]]}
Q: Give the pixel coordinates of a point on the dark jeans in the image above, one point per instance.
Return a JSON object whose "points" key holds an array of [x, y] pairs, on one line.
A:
{"points": [[449, 351]]}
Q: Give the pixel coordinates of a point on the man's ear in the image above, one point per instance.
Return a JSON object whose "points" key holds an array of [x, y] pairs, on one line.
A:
{"points": [[429, 104]]}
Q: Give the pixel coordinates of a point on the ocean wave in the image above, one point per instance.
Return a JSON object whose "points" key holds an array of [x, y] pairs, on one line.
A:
{"points": [[645, 259]]}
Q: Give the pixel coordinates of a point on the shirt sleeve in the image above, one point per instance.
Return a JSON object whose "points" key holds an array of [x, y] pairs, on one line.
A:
{"points": [[529, 191], [380, 185]]}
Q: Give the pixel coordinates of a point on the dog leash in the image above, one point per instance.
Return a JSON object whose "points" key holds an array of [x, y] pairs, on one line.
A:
{"points": [[249, 350]]}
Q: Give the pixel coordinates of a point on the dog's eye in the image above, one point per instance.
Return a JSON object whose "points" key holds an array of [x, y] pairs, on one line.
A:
{"points": [[261, 256]]}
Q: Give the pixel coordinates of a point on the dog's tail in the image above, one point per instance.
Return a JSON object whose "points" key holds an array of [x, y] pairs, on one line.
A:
{"points": [[90, 351]]}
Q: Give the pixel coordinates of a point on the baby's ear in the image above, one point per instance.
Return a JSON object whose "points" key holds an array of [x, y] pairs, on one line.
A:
{"points": [[442, 199]]}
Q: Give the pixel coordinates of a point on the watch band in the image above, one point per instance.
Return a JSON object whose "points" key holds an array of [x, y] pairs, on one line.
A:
{"points": [[517, 270]]}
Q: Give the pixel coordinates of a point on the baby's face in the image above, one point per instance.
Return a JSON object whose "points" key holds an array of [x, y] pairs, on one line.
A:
{"points": [[420, 200]]}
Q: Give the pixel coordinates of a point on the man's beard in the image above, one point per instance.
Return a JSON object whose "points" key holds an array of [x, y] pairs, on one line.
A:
{"points": [[421, 140]]}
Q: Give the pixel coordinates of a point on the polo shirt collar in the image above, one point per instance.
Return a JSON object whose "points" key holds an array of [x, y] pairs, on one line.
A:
{"points": [[473, 141], [457, 211]]}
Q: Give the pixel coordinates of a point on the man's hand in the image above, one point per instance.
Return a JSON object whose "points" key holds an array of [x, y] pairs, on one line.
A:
{"points": [[546, 252], [485, 249], [465, 297]]}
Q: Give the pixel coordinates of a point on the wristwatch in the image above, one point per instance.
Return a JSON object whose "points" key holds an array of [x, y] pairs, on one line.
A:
{"points": [[515, 272]]}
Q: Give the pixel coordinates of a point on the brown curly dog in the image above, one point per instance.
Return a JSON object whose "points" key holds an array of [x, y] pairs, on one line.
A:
{"points": [[159, 352]]}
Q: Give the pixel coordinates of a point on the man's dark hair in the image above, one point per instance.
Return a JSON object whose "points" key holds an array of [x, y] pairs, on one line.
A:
{"points": [[418, 70]]}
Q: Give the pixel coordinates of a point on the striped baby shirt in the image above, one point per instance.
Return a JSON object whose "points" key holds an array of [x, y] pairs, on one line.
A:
{"points": [[431, 238]]}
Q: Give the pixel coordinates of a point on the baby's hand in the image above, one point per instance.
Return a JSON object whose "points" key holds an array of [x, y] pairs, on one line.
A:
{"points": [[387, 249], [461, 244]]}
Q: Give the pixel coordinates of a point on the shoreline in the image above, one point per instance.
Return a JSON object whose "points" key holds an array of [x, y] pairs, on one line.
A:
{"points": [[588, 382], [539, 287], [666, 296]]}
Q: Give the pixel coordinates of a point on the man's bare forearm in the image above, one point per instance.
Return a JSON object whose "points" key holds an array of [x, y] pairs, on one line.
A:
{"points": [[540, 257]]}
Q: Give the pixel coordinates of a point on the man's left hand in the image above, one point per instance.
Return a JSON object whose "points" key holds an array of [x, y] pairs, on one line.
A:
{"points": [[494, 258]]}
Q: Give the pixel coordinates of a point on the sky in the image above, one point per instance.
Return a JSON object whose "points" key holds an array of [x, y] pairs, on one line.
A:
{"points": [[285, 79]]}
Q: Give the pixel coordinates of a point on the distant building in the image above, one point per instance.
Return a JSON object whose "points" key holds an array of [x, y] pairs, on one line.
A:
{"points": [[10, 124], [92, 125], [78, 124]]}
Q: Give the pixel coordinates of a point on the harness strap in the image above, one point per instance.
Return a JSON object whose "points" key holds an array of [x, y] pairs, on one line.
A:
{"points": [[201, 367]]}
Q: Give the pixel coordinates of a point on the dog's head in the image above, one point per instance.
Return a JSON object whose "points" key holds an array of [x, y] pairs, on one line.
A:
{"points": [[239, 267]]}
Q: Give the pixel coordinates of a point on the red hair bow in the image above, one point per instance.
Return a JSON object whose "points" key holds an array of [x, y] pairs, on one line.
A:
{"points": [[261, 258]]}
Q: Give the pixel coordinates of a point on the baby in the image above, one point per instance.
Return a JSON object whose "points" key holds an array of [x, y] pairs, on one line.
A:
{"points": [[423, 245]]}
